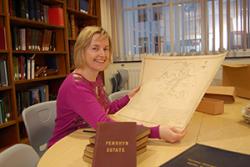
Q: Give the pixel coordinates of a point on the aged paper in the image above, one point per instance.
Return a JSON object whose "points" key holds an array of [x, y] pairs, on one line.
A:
{"points": [[171, 89]]}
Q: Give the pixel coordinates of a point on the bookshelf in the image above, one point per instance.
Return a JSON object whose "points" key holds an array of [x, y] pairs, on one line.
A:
{"points": [[80, 13], [35, 55]]}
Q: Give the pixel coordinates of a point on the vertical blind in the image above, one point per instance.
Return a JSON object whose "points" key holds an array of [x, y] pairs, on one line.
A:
{"points": [[180, 27]]}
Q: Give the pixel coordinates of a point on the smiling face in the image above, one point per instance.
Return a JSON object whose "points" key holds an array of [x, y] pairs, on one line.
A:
{"points": [[97, 54]]}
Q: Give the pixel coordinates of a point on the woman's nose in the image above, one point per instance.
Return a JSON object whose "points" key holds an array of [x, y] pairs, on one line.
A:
{"points": [[102, 52]]}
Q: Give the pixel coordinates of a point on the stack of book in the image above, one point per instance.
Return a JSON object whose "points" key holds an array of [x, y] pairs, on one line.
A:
{"points": [[142, 134]]}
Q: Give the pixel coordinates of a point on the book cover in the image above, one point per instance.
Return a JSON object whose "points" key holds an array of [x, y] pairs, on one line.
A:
{"points": [[139, 144], [115, 145], [89, 150], [142, 132], [84, 6], [55, 16], [2, 38], [201, 155]]}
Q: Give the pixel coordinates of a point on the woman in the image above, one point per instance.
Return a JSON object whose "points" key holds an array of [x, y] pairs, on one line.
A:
{"points": [[81, 99]]}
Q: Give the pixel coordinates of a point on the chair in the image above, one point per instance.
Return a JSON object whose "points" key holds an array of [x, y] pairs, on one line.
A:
{"points": [[117, 95], [123, 84], [39, 120], [19, 155]]}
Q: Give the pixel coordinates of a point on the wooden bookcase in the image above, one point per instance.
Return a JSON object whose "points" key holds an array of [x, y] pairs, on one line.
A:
{"points": [[36, 56], [78, 16]]}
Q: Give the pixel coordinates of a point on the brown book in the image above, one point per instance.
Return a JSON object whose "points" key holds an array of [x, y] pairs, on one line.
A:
{"points": [[115, 144], [139, 144], [141, 132], [139, 150]]}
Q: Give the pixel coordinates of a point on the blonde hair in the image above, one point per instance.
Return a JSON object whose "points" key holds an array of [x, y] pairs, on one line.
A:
{"points": [[83, 41]]}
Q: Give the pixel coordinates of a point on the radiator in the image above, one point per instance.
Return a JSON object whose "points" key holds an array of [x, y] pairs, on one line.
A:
{"points": [[133, 76]]}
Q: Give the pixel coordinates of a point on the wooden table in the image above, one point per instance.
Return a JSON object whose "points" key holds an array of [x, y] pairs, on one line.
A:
{"points": [[227, 131]]}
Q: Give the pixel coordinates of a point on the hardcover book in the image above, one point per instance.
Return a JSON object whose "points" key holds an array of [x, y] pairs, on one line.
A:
{"points": [[55, 16], [141, 132], [115, 145], [207, 156], [89, 150]]}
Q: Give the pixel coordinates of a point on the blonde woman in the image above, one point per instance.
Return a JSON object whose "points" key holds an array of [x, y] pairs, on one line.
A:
{"points": [[82, 101]]}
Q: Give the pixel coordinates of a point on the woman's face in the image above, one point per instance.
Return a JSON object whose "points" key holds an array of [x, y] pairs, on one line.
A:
{"points": [[97, 55]]}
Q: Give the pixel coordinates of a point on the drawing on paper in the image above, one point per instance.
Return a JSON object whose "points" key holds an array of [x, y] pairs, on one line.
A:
{"points": [[171, 89]]}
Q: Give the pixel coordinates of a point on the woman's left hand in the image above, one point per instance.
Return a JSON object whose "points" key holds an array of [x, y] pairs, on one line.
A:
{"points": [[133, 91]]}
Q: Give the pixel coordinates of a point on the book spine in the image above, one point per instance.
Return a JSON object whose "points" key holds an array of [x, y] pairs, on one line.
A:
{"points": [[55, 16]]}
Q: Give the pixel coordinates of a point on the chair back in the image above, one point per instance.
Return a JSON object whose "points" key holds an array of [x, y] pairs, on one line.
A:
{"points": [[19, 155], [117, 95], [39, 120]]}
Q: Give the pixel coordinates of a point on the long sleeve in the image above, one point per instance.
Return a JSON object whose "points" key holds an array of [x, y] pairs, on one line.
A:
{"points": [[78, 103], [86, 105]]}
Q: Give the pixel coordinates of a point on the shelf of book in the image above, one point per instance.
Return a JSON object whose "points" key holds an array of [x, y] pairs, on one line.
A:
{"points": [[3, 88], [9, 123], [3, 51], [19, 82], [32, 23], [35, 53], [80, 13]]}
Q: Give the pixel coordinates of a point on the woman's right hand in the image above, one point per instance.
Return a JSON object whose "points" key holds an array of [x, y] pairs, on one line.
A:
{"points": [[171, 134]]}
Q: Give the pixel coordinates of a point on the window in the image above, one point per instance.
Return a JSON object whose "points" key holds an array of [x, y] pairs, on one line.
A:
{"points": [[176, 26]]}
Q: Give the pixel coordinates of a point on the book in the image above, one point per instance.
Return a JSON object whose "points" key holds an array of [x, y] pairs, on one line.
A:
{"points": [[207, 156], [139, 143], [115, 144], [3, 72], [2, 38], [84, 6], [55, 16], [89, 150], [141, 132]]}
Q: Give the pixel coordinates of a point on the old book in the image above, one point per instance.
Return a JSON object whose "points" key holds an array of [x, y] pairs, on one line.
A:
{"points": [[3, 38], [115, 144], [89, 150], [139, 143], [141, 132], [55, 16], [201, 155]]}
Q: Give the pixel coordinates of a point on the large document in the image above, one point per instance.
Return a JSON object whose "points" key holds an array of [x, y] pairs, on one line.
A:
{"points": [[171, 89]]}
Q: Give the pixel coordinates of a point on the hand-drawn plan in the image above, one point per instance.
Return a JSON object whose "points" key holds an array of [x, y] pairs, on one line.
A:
{"points": [[171, 89]]}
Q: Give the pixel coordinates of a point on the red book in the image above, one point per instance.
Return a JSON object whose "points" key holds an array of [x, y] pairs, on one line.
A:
{"points": [[55, 16], [2, 38], [115, 145]]}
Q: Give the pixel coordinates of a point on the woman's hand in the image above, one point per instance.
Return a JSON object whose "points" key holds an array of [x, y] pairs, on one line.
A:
{"points": [[133, 92], [171, 134]]}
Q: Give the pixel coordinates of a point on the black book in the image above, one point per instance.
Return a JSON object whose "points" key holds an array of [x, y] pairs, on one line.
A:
{"points": [[207, 156]]}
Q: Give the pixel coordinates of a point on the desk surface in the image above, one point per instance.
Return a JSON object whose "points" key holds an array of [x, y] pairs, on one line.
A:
{"points": [[227, 131]]}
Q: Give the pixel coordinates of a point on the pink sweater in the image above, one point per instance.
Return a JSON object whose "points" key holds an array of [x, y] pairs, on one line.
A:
{"points": [[81, 103]]}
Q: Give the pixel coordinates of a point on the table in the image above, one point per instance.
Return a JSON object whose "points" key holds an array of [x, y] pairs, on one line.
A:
{"points": [[227, 131]]}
